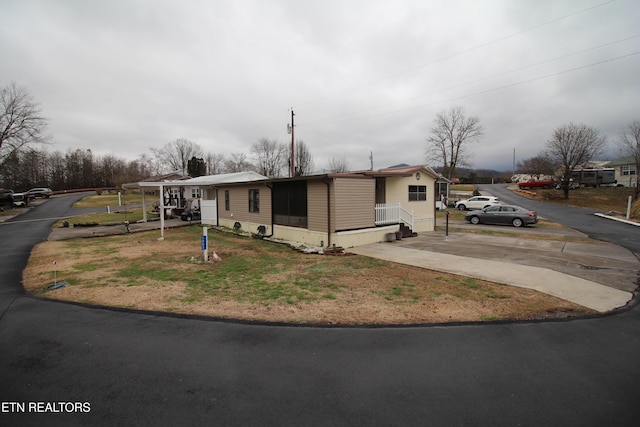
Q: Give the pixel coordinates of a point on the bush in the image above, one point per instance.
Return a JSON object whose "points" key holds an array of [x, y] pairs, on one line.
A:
{"points": [[635, 210]]}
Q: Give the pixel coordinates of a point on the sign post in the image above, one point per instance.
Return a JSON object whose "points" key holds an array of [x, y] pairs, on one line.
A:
{"points": [[204, 244]]}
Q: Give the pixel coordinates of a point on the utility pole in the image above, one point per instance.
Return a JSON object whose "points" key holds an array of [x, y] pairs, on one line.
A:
{"points": [[293, 153]]}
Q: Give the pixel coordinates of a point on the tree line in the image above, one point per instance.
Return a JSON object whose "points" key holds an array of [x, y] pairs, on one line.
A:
{"points": [[25, 161], [569, 148]]}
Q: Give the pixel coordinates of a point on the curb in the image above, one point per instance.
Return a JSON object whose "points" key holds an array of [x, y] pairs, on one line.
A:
{"points": [[637, 224]]}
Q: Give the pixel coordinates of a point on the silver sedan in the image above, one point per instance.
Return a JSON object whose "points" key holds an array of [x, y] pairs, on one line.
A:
{"points": [[503, 214]]}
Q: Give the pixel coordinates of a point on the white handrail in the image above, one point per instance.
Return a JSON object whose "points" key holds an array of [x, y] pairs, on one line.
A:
{"points": [[393, 213]]}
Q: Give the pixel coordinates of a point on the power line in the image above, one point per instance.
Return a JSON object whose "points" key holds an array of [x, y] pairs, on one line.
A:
{"points": [[499, 74], [488, 90], [480, 46]]}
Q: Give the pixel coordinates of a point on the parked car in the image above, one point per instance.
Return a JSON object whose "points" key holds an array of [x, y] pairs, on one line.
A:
{"points": [[503, 214], [477, 202], [533, 183], [45, 193], [6, 197]]}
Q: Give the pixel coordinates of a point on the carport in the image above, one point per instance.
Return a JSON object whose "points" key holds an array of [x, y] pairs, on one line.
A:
{"points": [[206, 184]]}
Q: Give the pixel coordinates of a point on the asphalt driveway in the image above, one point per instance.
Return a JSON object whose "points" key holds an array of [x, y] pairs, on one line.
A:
{"points": [[139, 369]]}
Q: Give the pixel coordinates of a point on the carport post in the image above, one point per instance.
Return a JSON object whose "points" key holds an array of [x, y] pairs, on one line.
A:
{"points": [[161, 212], [144, 206]]}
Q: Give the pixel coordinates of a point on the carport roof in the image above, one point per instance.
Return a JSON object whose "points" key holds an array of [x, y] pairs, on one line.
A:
{"points": [[225, 178]]}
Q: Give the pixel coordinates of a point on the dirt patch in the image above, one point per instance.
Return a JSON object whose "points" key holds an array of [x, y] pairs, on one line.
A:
{"points": [[265, 281]]}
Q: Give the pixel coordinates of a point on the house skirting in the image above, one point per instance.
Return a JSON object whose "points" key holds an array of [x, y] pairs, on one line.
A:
{"points": [[345, 239], [423, 223]]}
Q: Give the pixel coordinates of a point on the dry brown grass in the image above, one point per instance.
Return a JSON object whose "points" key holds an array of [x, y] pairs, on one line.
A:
{"points": [[604, 198], [264, 281]]}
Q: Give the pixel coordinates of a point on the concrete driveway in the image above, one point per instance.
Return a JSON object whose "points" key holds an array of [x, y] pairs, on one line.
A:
{"points": [[558, 261], [560, 249]]}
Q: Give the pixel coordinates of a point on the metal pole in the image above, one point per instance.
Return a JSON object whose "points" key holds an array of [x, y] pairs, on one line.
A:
{"points": [[629, 208], [293, 153], [446, 228], [161, 213]]}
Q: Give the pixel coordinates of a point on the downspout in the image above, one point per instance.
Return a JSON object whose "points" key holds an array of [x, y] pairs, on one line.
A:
{"points": [[214, 188], [328, 182], [266, 184]]}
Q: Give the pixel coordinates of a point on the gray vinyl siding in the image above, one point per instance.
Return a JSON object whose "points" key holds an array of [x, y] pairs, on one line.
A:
{"points": [[354, 205], [317, 206], [239, 204]]}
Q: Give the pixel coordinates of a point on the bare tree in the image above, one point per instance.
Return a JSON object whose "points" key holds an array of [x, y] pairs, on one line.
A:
{"points": [[176, 154], [339, 165], [215, 163], [237, 163], [450, 135], [21, 122], [151, 165], [303, 159], [630, 145], [536, 166], [571, 146], [270, 156]]}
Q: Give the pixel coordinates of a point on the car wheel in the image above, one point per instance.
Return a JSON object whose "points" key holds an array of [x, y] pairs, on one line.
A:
{"points": [[462, 207], [474, 220], [189, 217], [517, 222]]}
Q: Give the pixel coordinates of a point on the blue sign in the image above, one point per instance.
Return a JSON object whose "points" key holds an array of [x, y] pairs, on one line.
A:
{"points": [[204, 243]]}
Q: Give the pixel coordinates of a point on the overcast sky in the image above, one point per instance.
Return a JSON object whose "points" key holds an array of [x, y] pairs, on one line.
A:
{"points": [[122, 76]]}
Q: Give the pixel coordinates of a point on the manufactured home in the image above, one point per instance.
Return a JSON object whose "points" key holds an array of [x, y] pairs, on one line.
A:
{"points": [[342, 209]]}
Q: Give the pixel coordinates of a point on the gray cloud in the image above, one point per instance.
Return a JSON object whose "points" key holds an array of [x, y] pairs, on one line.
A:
{"points": [[362, 76]]}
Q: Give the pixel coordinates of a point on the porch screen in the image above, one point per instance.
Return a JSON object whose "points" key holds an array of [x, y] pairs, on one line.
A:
{"points": [[290, 203]]}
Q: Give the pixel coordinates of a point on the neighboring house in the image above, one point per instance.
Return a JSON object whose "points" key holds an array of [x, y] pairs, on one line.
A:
{"points": [[626, 172], [342, 209]]}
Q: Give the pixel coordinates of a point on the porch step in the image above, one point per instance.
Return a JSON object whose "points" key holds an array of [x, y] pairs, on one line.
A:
{"points": [[406, 231]]}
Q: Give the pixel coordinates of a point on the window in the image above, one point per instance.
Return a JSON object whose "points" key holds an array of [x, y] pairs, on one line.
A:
{"points": [[628, 170], [417, 193], [254, 201], [195, 193], [226, 200]]}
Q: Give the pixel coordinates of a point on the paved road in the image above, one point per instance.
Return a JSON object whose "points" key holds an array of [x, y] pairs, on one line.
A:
{"points": [[581, 219], [140, 369]]}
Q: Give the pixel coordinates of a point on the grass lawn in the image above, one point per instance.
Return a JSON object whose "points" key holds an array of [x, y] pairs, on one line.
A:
{"points": [[266, 281], [111, 199], [118, 213], [604, 198], [104, 218]]}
